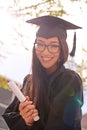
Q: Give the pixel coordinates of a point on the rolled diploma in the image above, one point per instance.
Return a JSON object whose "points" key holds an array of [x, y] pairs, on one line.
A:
{"points": [[19, 94]]}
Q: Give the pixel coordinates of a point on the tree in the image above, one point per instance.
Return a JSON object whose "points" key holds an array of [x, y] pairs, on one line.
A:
{"points": [[52, 7], [82, 68]]}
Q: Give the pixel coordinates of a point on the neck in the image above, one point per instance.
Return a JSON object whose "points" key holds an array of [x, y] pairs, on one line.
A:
{"points": [[51, 69]]}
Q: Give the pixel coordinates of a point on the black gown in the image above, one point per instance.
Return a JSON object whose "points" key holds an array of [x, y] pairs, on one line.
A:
{"points": [[66, 101]]}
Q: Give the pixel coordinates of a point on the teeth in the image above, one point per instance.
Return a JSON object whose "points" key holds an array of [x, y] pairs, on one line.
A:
{"points": [[46, 58]]}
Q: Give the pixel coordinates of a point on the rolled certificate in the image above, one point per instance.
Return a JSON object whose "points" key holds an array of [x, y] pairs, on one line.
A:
{"points": [[19, 94]]}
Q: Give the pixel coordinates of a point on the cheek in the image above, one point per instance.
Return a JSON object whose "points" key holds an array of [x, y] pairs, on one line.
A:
{"points": [[57, 56], [37, 54]]}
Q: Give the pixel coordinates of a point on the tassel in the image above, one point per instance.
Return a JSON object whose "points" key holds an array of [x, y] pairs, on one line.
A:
{"points": [[72, 53]]}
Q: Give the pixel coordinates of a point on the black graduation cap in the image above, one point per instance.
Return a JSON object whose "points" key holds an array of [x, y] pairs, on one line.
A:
{"points": [[53, 26]]}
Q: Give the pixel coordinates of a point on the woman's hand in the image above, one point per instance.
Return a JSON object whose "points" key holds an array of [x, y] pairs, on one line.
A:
{"points": [[28, 111]]}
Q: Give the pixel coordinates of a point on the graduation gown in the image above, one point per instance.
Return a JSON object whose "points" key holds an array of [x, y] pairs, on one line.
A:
{"points": [[66, 101]]}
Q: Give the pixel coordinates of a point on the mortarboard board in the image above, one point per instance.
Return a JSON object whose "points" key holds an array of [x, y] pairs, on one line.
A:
{"points": [[53, 26]]}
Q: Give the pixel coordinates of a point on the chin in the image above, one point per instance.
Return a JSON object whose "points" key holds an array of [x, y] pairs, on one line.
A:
{"points": [[47, 66]]}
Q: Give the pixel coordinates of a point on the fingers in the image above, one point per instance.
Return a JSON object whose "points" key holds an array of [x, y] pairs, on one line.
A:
{"points": [[29, 119], [28, 111], [35, 113], [26, 107], [27, 98]]}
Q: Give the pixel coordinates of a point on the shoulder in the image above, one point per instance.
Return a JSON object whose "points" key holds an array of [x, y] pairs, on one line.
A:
{"points": [[73, 78], [69, 78], [26, 84], [27, 78], [70, 74], [66, 77], [26, 81]]}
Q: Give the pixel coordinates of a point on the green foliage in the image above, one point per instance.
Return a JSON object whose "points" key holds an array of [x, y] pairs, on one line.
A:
{"points": [[52, 7], [4, 82]]}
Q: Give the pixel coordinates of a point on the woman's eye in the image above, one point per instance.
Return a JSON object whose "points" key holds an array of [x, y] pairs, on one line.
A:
{"points": [[40, 45], [54, 46]]}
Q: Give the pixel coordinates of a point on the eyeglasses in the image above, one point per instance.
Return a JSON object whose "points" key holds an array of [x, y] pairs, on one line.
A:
{"points": [[51, 48]]}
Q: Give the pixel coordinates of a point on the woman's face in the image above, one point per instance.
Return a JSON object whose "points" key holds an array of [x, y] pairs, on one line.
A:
{"points": [[48, 52]]}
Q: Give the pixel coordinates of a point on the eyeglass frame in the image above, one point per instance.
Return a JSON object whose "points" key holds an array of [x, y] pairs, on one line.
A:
{"points": [[47, 46]]}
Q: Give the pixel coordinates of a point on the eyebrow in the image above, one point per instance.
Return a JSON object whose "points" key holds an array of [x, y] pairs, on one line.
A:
{"points": [[39, 40], [54, 42]]}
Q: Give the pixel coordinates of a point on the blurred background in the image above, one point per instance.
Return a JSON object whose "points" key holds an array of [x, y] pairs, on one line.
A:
{"points": [[17, 38]]}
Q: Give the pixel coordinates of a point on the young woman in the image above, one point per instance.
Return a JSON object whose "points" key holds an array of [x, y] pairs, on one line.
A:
{"points": [[53, 92]]}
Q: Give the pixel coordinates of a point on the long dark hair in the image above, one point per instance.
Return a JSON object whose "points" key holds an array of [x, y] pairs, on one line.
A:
{"points": [[40, 87], [64, 52]]}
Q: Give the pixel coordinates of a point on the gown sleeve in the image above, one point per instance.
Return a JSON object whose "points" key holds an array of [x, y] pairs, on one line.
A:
{"points": [[66, 113], [12, 116]]}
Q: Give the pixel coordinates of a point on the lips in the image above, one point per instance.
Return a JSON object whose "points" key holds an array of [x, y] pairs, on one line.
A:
{"points": [[46, 59]]}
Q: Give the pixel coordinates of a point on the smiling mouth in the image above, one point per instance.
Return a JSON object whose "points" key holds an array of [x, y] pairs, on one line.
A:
{"points": [[46, 59]]}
